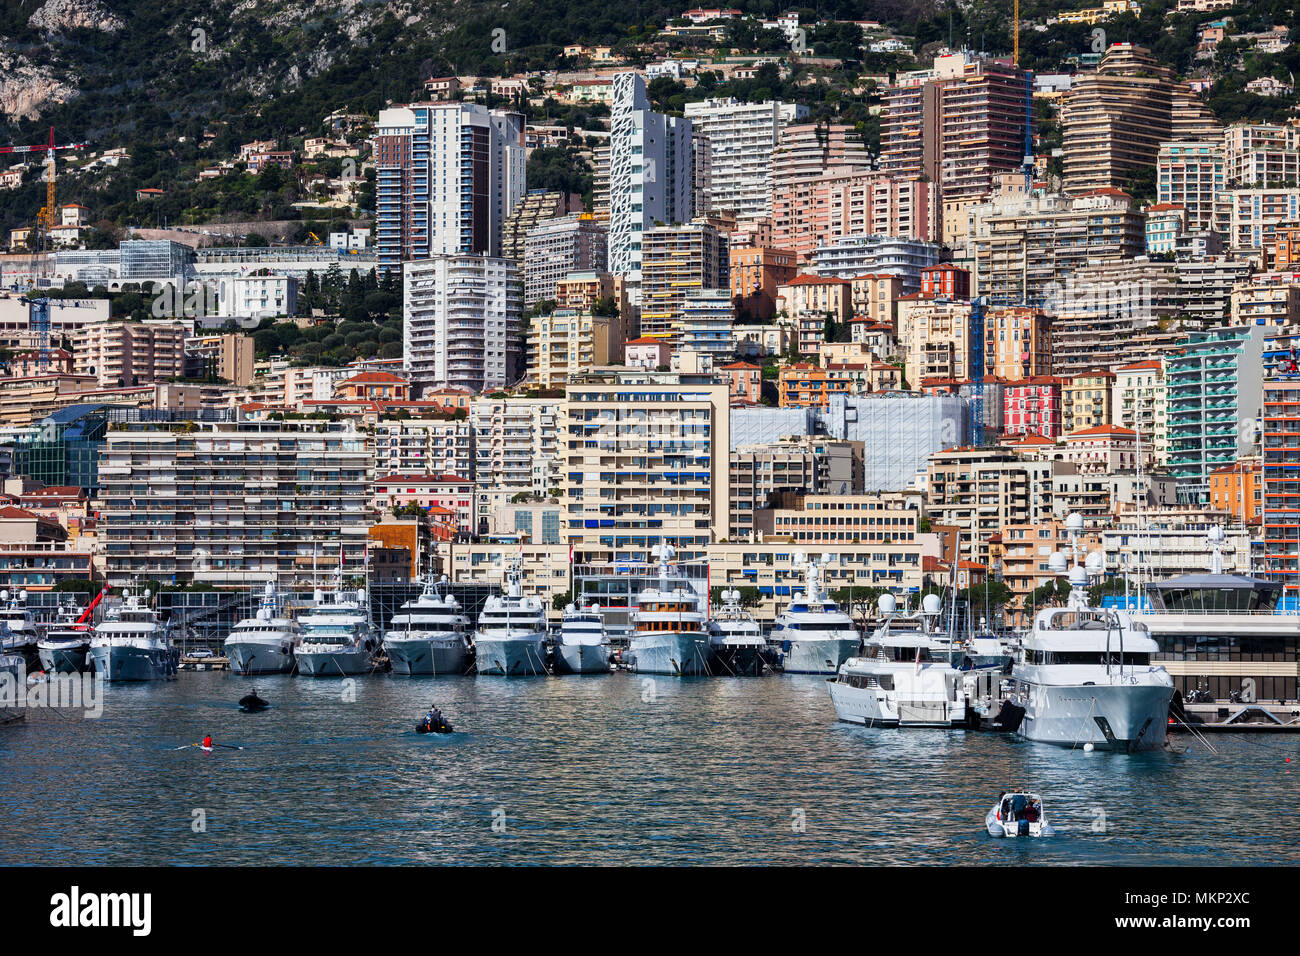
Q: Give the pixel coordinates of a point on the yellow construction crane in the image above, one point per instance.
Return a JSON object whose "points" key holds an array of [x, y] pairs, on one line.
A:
{"points": [[45, 219], [1015, 32]]}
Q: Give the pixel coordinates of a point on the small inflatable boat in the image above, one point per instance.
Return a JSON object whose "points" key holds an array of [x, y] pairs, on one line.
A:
{"points": [[435, 724], [1018, 814], [251, 703]]}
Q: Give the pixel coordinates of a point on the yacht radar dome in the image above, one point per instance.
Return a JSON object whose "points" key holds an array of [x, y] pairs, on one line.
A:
{"points": [[887, 604]]}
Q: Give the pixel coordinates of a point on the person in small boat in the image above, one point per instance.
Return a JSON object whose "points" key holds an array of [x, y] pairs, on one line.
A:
{"points": [[207, 742], [433, 718], [1031, 812]]}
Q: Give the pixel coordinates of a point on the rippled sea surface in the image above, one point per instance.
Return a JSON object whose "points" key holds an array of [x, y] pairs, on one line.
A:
{"points": [[599, 770]]}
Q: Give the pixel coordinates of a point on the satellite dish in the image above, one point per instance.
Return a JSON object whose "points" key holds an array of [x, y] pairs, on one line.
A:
{"points": [[1095, 563], [1056, 563], [930, 604], [1074, 522], [887, 604]]}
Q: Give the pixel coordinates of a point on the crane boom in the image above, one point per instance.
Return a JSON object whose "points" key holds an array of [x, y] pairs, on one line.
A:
{"points": [[45, 218]]}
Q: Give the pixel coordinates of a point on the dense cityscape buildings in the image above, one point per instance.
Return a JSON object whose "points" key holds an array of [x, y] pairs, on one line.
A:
{"points": [[1004, 297]]}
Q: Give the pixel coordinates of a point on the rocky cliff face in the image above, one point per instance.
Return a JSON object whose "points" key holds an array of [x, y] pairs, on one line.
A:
{"points": [[59, 16], [27, 89]]}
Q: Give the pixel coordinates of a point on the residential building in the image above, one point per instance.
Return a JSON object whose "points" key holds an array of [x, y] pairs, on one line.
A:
{"points": [[640, 452], [463, 322], [1086, 400], [650, 173], [741, 138], [234, 504], [1114, 119], [677, 261], [130, 353], [554, 248], [448, 176], [1215, 386], [796, 464], [565, 341], [1141, 402]]}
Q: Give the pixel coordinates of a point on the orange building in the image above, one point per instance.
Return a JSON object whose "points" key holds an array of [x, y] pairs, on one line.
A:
{"points": [[805, 385], [756, 271], [1238, 489], [372, 387]]}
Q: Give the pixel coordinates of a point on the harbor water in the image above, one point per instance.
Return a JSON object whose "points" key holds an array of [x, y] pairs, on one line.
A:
{"points": [[605, 769]]}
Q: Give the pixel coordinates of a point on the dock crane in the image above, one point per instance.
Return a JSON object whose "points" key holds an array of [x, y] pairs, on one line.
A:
{"points": [[45, 218]]}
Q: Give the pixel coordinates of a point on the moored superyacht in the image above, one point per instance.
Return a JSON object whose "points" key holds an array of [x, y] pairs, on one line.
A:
{"points": [[736, 645], [266, 642], [132, 644], [908, 675], [511, 636], [18, 633], [338, 637], [582, 646], [65, 646], [812, 635], [430, 634], [669, 635], [1084, 675]]}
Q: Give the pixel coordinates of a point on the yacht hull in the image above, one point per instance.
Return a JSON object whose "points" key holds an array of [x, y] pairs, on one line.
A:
{"points": [[874, 707], [248, 657], [65, 658], [676, 655], [744, 661], [510, 657], [816, 656], [428, 657], [1122, 717], [122, 664], [582, 658], [343, 663]]}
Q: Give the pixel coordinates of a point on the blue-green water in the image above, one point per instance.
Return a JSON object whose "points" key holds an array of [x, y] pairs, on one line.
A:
{"points": [[596, 770]]}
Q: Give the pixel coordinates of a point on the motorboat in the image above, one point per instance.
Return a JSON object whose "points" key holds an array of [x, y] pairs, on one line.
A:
{"points": [[511, 636], [669, 635], [1018, 814], [736, 645], [812, 635], [431, 633], [582, 646]]}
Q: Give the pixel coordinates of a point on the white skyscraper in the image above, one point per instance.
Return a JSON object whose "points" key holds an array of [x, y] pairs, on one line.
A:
{"points": [[462, 322], [741, 138], [650, 172], [448, 176]]}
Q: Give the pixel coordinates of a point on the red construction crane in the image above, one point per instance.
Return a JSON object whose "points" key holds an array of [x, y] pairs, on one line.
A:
{"points": [[45, 219]]}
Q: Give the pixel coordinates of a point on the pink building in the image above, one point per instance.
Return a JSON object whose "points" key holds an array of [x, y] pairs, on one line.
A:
{"points": [[647, 353], [846, 201], [744, 381], [429, 492], [1032, 406]]}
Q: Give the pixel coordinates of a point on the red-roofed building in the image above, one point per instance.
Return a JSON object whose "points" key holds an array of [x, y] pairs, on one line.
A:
{"points": [[647, 353], [744, 381], [373, 386], [1105, 449], [446, 492]]}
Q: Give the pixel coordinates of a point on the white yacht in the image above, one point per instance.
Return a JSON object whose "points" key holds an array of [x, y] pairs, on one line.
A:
{"points": [[430, 634], [669, 635], [131, 644], [338, 637], [18, 633], [511, 636], [812, 635], [736, 645], [583, 646], [65, 647], [1085, 675], [909, 676], [266, 642]]}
